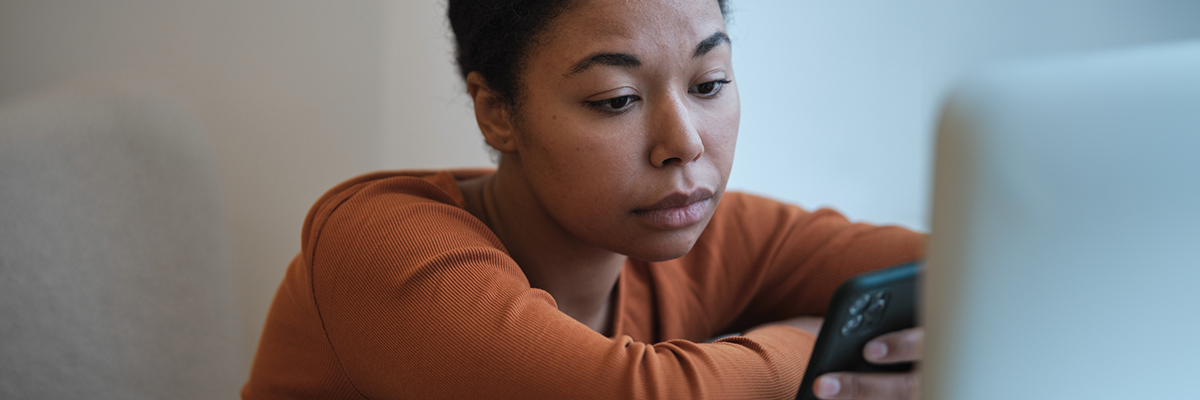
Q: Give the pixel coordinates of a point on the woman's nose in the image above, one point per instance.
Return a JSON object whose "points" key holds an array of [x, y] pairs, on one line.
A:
{"points": [[675, 139]]}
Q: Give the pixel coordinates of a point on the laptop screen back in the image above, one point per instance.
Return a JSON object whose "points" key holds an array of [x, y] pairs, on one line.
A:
{"points": [[1064, 260]]}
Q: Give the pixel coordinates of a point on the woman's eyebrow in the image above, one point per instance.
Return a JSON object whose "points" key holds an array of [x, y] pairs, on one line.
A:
{"points": [[708, 44], [624, 60]]}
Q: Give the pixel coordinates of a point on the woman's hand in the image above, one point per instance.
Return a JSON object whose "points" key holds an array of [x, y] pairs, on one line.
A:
{"points": [[900, 346]]}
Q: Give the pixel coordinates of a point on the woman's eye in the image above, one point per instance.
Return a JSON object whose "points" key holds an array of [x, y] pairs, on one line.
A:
{"points": [[614, 104], [709, 89]]}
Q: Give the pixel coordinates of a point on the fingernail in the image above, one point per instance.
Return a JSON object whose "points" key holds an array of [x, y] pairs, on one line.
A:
{"points": [[827, 386], [876, 350]]}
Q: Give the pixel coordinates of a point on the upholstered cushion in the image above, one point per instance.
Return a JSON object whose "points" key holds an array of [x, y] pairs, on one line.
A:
{"points": [[115, 280]]}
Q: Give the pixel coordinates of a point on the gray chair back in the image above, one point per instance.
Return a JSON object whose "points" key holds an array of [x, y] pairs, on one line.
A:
{"points": [[115, 279]]}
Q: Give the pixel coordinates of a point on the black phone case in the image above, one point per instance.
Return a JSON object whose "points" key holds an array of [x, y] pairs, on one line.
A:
{"points": [[864, 307]]}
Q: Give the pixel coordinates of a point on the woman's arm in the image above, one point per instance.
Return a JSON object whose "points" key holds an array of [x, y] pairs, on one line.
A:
{"points": [[422, 301], [778, 261]]}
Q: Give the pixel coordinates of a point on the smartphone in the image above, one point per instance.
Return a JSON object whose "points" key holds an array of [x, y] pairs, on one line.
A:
{"points": [[864, 307]]}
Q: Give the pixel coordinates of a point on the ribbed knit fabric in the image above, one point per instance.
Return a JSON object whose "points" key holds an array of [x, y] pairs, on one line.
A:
{"points": [[399, 292]]}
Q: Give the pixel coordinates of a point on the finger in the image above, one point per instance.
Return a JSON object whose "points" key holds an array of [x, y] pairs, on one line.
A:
{"points": [[867, 386], [899, 346]]}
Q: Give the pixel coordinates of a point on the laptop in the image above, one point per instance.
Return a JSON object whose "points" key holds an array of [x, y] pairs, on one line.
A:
{"points": [[1064, 258]]}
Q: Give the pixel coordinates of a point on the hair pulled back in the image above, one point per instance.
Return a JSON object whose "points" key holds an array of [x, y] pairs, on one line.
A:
{"points": [[495, 37]]}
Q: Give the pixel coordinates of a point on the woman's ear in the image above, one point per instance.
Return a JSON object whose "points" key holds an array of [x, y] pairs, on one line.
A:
{"points": [[491, 114]]}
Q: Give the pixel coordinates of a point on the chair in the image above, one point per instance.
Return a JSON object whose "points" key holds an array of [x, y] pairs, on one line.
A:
{"points": [[115, 279]]}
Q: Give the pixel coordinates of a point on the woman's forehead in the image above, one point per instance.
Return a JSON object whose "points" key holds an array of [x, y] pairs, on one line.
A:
{"points": [[646, 28]]}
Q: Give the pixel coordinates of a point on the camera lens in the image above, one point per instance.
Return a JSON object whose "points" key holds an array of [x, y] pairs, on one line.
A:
{"points": [[852, 324], [860, 304], [876, 308]]}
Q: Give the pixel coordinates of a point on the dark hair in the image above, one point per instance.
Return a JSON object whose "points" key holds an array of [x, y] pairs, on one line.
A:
{"points": [[494, 37]]}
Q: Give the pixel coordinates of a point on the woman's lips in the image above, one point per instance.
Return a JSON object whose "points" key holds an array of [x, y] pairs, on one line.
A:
{"points": [[677, 211]]}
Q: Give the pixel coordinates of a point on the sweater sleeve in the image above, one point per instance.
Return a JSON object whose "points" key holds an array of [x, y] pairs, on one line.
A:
{"points": [[790, 261], [418, 299]]}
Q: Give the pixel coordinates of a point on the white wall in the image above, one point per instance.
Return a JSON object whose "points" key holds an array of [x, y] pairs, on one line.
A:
{"points": [[838, 96]]}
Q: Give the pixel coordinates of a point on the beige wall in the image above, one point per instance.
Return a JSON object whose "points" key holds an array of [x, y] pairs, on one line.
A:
{"points": [[427, 117], [292, 94]]}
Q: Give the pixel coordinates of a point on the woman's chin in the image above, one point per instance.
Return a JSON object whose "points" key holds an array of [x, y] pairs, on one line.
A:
{"points": [[660, 257], [662, 249], [662, 245]]}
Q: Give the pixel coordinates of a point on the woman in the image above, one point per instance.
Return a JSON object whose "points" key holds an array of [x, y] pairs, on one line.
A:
{"points": [[601, 253]]}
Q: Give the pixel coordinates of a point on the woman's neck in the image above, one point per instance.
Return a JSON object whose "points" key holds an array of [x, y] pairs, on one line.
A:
{"points": [[580, 276]]}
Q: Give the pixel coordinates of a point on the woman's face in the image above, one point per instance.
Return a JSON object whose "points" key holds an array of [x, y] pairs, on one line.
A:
{"points": [[627, 127]]}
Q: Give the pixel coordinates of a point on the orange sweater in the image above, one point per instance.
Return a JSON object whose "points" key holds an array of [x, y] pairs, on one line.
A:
{"points": [[398, 292]]}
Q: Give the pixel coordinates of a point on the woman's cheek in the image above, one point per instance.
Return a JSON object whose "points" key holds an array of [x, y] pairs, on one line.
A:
{"points": [[606, 147], [724, 131], [575, 164]]}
